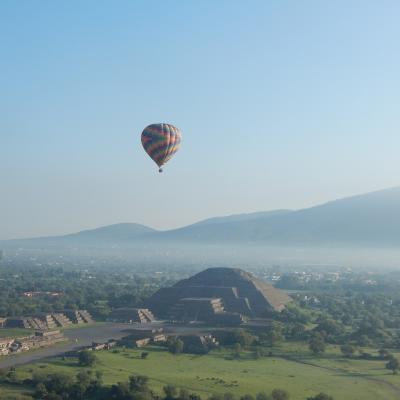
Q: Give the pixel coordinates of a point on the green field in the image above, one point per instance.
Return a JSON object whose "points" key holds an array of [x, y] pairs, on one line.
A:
{"points": [[15, 332], [294, 370]]}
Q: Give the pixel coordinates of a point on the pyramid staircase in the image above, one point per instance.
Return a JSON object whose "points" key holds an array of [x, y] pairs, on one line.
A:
{"points": [[79, 316], [146, 315], [86, 317], [61, 319]]}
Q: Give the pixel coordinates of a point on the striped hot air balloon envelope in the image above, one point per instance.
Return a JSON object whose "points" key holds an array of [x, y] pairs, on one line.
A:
{"points": [[161, 142]]}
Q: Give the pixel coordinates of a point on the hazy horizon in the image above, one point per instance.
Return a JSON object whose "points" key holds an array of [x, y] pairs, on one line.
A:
{"points": [[281, 106], [201, 220]]}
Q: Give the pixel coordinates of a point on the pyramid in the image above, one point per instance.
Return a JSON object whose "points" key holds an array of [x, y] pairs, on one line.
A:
{"points": [[238, 291]]}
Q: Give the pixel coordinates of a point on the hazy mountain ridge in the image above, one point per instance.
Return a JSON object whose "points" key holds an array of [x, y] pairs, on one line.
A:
{"points": [[371, 219], [240, 217], [115, 234]]}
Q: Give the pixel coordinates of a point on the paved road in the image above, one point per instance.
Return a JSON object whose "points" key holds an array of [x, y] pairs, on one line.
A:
{"points": [[84, 336], [79, 337]]}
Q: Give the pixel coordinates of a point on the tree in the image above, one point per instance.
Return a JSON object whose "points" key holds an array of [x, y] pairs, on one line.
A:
{"points": [[87, 358], [184, 394], [243, 337], [238, 349], [257, 353], [393, 364], [175, 345], [317, 345], [321, 396], [138, 383], [347, 350], [364, 340], [280, 394], [83, 382], [216, 396], [262, 396], [274, 334], [170, 392], [247, 397], [330, 327], [144, 355], [384, 354], [40, 391]]}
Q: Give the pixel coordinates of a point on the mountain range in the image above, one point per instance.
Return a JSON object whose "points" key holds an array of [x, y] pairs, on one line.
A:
{"points": [[371, 219]]}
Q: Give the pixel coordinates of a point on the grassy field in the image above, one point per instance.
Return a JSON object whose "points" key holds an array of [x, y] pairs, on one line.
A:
{"points": [[10, 392], [292, 368], [15, 332]]}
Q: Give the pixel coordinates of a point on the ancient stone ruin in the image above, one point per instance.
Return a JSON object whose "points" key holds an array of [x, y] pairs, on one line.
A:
{"points": [[224, 295], [131, 315], [50, 321]]}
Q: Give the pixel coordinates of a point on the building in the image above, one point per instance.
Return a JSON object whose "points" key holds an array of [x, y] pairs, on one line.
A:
{"points": [[39, 339], [41, 294], [142, 337], [131, 315], [5, 346], [218, 295], [198, 344], [103, 346], [196, 309], [50, 321], [79, 316]]}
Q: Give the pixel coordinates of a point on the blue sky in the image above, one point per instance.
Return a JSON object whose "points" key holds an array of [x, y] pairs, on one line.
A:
{"points": [[282, 104]]}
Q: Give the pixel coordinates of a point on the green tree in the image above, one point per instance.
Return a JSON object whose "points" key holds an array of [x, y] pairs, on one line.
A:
{"points": [[184, 394], [384, 354], [317, 345], [393, 364], [170, 392], [320, 396], [138, 383], [237, 350], [274, 334], [40, 391], [175, 345], [347, 350], [280, 394], [87, 358], [257, 353]]}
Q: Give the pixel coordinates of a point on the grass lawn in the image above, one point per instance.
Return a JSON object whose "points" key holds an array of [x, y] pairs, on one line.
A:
{"points": [[15, 332], [12, 392], [217, 372]]}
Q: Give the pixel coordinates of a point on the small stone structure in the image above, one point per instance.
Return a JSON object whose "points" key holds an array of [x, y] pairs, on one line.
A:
{"points": [[196, 308], [142, 337], [131, 315], [79, 316], [198, 344], [103, 346], [5, 346], [49, 321], [39, 339]]}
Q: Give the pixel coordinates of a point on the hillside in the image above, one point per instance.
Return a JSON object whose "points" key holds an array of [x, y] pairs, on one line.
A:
{"points": [[123, 233], [371, 219]]}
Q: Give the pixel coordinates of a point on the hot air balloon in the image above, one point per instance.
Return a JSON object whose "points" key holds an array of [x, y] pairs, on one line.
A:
{"points": [[161, 142]]}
